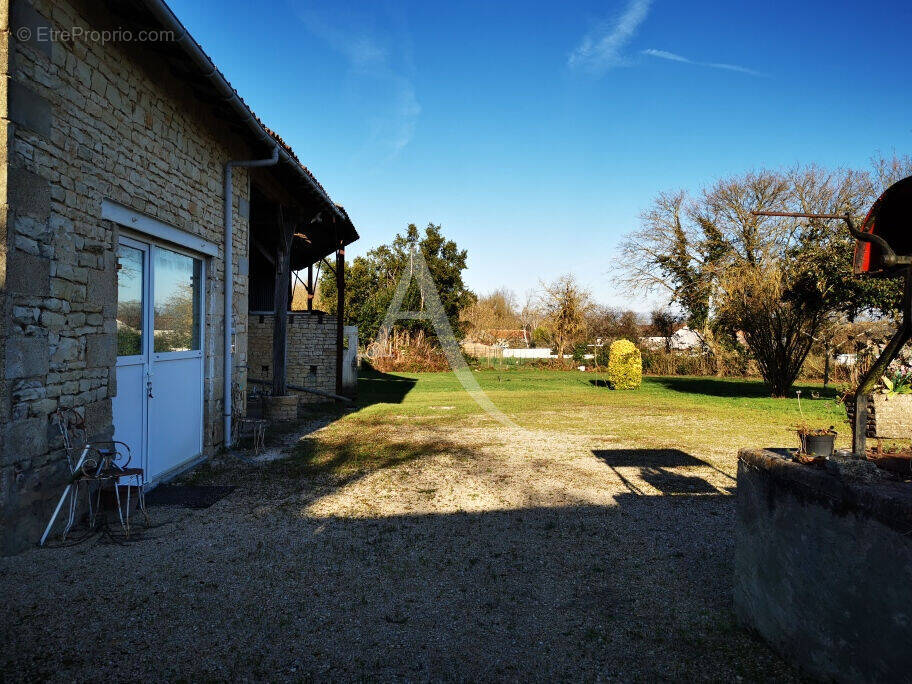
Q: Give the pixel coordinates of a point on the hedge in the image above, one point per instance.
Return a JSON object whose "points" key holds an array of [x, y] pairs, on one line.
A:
{"points": [[625, 366]]}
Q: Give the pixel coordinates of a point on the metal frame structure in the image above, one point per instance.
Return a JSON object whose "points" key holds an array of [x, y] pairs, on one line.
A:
{"points": [[891, 260]]}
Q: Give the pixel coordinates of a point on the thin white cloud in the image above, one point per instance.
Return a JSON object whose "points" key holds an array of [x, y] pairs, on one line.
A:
{"points": [[673, 57], [392, 122], [603, 48], [664, 54]]}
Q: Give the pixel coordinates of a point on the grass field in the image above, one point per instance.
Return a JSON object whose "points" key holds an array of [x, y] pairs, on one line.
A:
{"points": [[715, 416], [404, 416]]}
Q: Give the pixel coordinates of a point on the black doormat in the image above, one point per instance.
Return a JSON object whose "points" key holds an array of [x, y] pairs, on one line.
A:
{"points": [[187, 496]]}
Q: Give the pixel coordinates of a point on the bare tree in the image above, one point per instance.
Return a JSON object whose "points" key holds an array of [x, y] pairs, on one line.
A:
{"points": [[489, 314], [776, 280], [566, 304], [531, 315]]}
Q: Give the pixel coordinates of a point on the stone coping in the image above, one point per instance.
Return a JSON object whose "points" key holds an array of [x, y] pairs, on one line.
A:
{"points": [[888, 501]]}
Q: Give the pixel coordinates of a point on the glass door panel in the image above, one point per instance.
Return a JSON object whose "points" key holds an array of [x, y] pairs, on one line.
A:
{"points": [[130, 286], [177, 302]]}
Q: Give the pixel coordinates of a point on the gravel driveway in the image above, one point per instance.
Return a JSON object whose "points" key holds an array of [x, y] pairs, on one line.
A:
{"points": [[500, 555]]}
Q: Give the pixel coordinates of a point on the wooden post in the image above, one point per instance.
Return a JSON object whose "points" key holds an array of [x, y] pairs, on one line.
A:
{"points": [[280, 306], [826, 363], [340, 313], [310, 287]]}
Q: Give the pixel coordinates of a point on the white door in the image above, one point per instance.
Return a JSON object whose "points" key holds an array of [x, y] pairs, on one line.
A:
{"points": [[158, 409]]}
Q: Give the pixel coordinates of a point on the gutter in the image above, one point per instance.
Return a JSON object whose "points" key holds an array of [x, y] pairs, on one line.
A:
{"points": [[163, 14], [229, 278]]}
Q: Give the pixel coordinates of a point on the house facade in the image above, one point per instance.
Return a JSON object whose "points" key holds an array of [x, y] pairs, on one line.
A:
{"points": [[123, 243]]}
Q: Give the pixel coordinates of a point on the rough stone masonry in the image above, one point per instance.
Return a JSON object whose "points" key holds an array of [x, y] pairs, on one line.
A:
{"points": [[311, 351], [86, 121]]}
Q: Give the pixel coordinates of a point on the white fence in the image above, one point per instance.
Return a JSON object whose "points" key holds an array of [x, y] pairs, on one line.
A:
{"points": [[537, 353]]}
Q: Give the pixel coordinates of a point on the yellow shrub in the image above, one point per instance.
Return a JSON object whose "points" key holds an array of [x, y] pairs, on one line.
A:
{"points": [[625, 366]]}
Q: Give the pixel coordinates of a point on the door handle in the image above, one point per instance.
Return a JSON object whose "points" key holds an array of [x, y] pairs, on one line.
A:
{"points": [[149, 388]]}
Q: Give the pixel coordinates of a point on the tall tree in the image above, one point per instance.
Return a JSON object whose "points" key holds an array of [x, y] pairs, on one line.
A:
{"points": [[566, 304], [371, 280], [776, 280]]}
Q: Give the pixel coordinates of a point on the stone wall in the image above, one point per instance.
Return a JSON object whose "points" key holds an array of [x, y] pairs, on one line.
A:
{"points": [[823, 566], [311, 354], [85, 121]]}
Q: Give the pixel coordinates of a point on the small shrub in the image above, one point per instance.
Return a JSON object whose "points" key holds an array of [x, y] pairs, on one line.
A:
{"points": [[579, 352], [625, 366]]}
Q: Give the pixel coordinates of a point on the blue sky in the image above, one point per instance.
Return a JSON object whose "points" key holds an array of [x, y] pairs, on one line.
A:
{"points": [[536, 132]]}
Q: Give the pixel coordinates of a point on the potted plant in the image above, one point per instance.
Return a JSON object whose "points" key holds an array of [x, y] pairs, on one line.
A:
{"points": [[816, 442]]}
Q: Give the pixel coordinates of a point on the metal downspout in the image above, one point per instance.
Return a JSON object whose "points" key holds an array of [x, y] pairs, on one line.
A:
{"points": [[229, 278]]}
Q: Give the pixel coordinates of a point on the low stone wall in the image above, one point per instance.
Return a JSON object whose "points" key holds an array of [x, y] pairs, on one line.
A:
{"points": [[282, 408], [889, 416], [311, 355], [823, 568]]}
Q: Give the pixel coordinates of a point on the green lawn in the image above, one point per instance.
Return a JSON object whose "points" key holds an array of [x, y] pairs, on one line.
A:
{"points": [[708, 415]]}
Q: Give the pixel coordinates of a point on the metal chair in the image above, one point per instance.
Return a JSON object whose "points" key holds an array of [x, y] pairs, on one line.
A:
{"points": [[248, 426], [100, 465]]}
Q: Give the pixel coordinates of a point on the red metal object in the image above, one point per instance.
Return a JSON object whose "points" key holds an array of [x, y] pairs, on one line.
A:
{"points": [[890, 218]]}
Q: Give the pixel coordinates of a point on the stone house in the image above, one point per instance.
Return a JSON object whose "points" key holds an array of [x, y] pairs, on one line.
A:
{"points": [[142, 200]]}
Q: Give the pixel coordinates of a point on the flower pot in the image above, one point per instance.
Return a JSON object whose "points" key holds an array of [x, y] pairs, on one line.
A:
{"points": [[818, 445]]}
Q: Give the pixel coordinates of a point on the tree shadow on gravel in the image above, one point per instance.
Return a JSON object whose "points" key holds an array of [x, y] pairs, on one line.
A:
{"points": [[637, 590]]}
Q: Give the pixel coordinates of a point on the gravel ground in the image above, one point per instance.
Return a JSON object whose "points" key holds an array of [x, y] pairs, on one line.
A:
{"points": [[497, 555]]}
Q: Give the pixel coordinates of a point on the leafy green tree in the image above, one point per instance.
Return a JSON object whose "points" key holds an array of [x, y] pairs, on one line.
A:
{"points": [[371, 280]]}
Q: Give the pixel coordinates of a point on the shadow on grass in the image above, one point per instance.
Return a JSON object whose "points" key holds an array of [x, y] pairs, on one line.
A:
{"points": [[375, 387], [732, 388]]}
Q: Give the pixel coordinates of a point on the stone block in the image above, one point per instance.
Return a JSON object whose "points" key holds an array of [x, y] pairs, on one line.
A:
{"points": [[29, 110], [32, 228], [26, 357], [53, 321], [66, 350], [36, 35], [76, 320], [24, 440], [29, 193], [101, 350], [68, 290], [28, 274], [102, 286], [98, 420]]}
